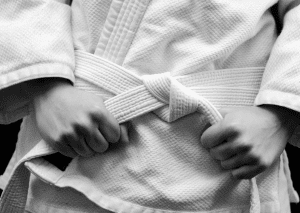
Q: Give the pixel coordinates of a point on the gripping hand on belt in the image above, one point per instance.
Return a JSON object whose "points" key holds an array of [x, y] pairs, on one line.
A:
{"points": [[72, 121], [249, 139]]}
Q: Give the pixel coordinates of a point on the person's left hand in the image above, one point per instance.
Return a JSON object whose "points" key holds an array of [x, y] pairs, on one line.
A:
{"points": [[249, 139]]}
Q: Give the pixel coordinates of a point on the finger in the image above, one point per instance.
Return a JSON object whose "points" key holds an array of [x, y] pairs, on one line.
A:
{"points": [[65, 149], [226, 150], [108, 126], [79, 144], [237, 161], [246, 172], [124, 138], [82, 148], [213, 136], [97, 142]]}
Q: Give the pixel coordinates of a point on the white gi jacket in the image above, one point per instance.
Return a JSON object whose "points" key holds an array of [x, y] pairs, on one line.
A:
{"points": [[219, 50]]}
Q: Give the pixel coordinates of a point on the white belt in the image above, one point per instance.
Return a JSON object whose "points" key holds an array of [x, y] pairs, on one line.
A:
{"points": [[134, 96]]}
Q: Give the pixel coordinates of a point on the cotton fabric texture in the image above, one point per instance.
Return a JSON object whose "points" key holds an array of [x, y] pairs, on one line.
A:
{"points": [[226, 53]]}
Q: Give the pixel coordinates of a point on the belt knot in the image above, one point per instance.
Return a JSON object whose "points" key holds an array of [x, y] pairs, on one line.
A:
{"points": [[179, 100]]}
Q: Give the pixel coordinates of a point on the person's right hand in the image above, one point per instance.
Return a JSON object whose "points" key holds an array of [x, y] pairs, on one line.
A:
{"points": [[75, 122]]}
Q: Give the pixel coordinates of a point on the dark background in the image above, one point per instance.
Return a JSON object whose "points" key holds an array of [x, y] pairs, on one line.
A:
{"points": [[9, 137]]}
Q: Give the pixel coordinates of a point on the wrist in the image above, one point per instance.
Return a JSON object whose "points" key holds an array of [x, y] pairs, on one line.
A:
{"points": [[39, 88], [289, 118]]}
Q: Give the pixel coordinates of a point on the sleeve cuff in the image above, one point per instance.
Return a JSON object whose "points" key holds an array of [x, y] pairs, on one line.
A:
{"points": [[22, 106]]}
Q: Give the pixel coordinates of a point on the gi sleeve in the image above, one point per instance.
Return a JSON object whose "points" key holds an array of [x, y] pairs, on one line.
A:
{"points": [[35, 42], [281, 80]]}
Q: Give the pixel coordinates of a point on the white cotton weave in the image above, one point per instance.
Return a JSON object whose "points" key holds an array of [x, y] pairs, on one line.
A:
{"points": [[222, 44], [179, 101]]}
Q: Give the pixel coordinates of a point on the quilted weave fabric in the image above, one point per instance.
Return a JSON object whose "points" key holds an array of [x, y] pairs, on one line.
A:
{"points": [[230, 48]]}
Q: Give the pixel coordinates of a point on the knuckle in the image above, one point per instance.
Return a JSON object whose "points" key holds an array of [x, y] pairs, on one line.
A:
{"points": [[254, 159], [98, 113], [260, 161], [244, 145], [71, 133], [83, 122], [64, 135], [262, 164], [68, 134], [97, 108], [232, 127], [59, 139], [82, 125]]}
